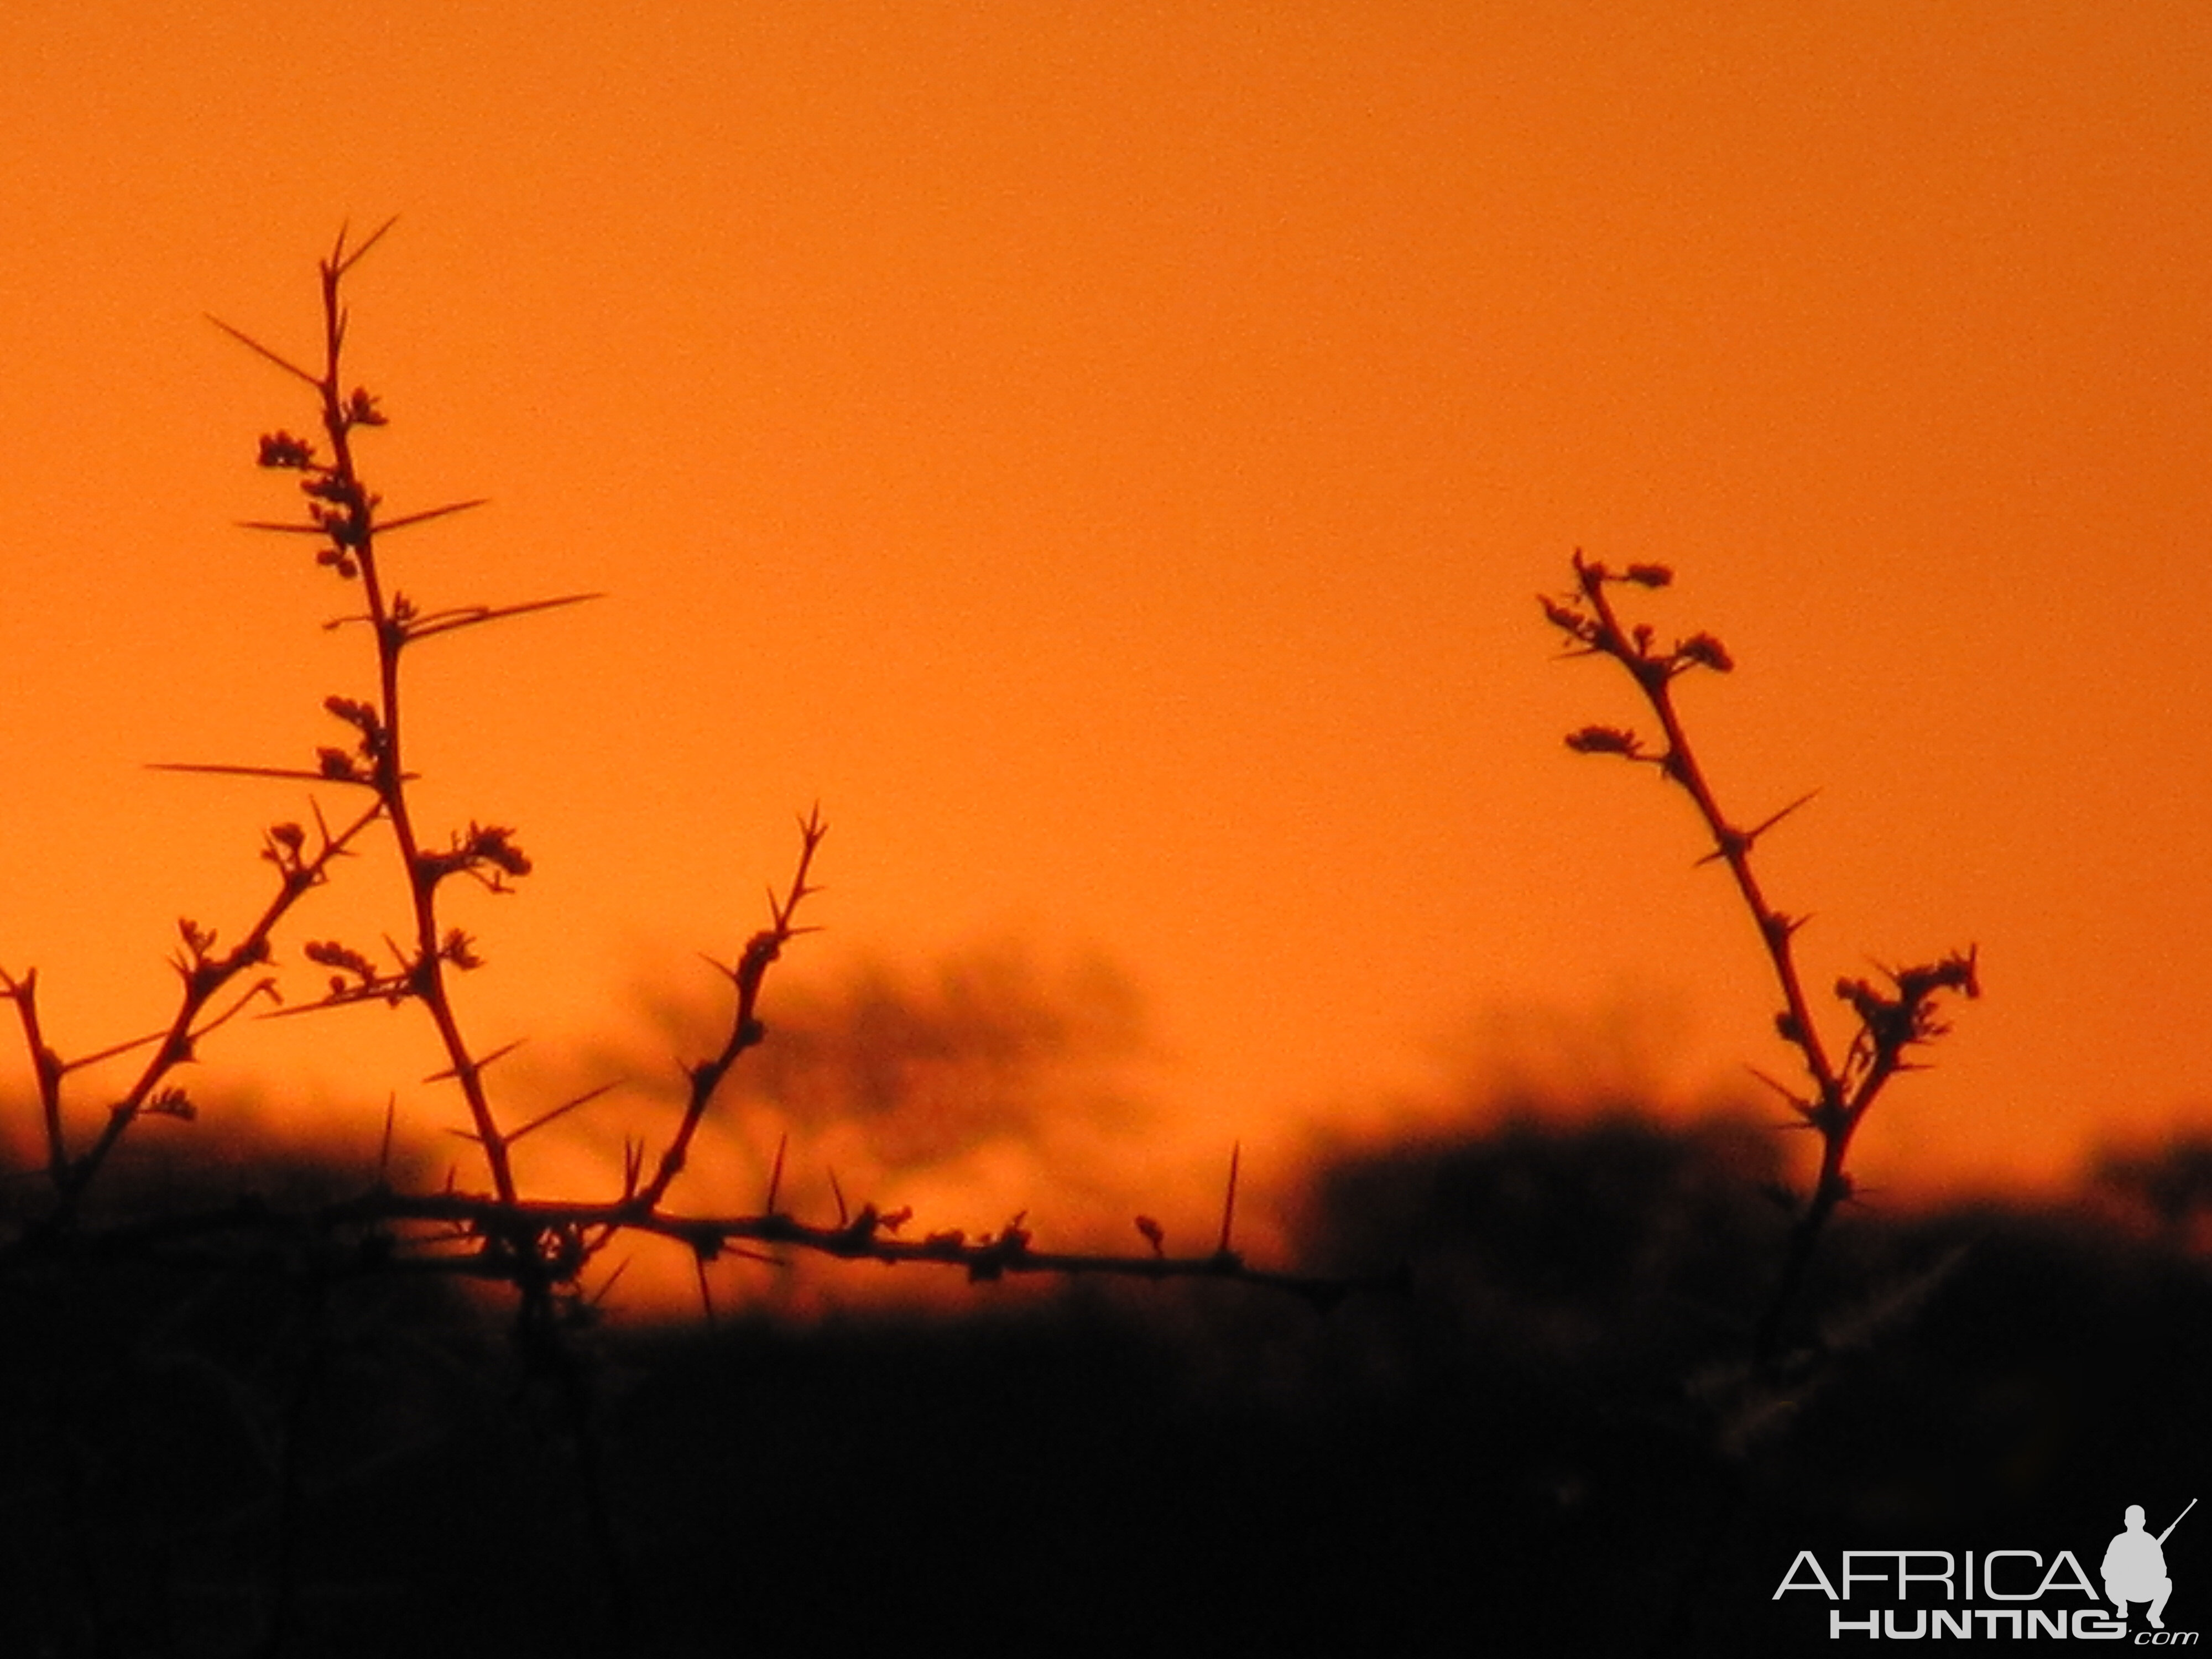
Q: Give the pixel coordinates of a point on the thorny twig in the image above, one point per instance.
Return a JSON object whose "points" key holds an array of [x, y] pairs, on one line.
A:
{"points": [[1892, 1019], [760, 953]]}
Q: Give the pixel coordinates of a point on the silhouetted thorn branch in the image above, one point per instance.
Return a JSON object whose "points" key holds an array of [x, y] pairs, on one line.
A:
{"points": [[746, 976], [539, 1250], [1889, 1022], [537, 1246]]}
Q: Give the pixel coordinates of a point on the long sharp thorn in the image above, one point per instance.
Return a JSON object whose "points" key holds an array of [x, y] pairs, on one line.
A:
{"points": [[281, 529], [253, 344], [562, 1110], [504, 1049], [843, 1217], [1773, 818], [342, 262], [1229, 1203], [621, 1267], [775, 1173], [706, 1296], [446, 622], [297, 773], [68, 1065], [1777, 1085], [385, 526]]}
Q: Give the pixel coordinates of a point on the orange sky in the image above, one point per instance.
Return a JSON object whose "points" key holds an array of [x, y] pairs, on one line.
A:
{"points": [[1106, 454]]}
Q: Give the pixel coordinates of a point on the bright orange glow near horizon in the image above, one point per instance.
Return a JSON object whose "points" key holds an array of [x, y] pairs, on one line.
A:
{"points": [[1106, 456]]}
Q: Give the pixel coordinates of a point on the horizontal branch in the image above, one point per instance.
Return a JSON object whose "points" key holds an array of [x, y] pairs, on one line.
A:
{"points": [[509, 1242]]}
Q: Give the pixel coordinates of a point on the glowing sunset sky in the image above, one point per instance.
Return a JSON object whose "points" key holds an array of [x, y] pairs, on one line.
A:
{"points": [[1107, 454]]}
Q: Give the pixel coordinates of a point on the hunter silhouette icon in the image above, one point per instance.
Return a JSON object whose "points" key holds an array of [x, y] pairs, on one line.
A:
{"points": [[2135, 1565]]}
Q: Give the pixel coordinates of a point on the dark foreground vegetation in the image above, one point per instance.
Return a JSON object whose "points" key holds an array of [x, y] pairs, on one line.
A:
{"points": [[1545, 1442]]}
